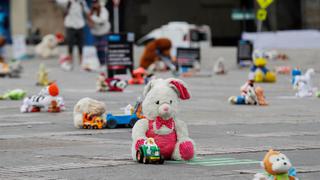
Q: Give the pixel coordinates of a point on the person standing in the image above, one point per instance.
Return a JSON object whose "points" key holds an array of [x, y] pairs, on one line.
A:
{"points": [[98, 21], [74, 23]]}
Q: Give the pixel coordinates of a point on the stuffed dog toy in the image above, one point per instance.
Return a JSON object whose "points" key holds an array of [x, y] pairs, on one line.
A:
{"points": [[159, 107], [88, 105], [47, 47]]}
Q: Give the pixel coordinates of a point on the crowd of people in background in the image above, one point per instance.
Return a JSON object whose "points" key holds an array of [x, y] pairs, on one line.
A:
{"points": [[77, 15]]}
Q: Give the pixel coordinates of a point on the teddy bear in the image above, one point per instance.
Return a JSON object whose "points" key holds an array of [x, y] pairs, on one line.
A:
{"points": [[153, 50], [47, 47], [90, 106], [159, 107], [277, 167], [259, 72]]}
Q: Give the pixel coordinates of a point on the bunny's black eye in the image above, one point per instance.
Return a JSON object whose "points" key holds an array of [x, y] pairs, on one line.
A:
{"points": [[157, 102], [278, 159], [170, 101]]}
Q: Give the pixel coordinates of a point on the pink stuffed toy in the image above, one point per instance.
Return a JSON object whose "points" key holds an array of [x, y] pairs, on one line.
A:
{"points": [[159, 107]]}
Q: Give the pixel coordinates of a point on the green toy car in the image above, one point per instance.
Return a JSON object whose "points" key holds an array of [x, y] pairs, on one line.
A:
{"points": [[149, 152]]}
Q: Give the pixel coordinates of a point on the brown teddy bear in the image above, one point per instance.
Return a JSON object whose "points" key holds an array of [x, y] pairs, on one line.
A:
{"points": [[153, 49]]}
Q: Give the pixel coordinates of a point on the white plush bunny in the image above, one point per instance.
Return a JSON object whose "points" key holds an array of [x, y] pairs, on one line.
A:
{"points": [[48, 46], [160, 104]]}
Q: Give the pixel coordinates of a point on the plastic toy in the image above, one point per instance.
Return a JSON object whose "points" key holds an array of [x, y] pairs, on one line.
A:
{"points": [[277, 167], [91, 121], [16, 94], [47, 98], [259, 72], [43, 76], [115, 120], [303, 84], [159, 107], [295, 72], [138, 76], [149, 152], [86, 109], [110, 84], [218, 67]]}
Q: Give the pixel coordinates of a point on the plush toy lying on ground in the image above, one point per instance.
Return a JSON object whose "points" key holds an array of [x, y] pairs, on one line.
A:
{"points": [[250, 95], [159, 107], [16, 94], [259, 72], [48, 99], [48, 46], [87, 106], [303, 84], [110, 84], [277, 167]]}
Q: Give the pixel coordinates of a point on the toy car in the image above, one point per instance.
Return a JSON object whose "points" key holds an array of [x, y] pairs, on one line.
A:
{"points": [[114, 120], [91, 121], [149, 152]]}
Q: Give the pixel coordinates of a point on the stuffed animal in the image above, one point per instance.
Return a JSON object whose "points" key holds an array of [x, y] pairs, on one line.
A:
{"points": [[153, 50], [88, 106], [48, 99], [16, 94], [47, 47], [248, 95], [15, 68], [110, 84], [159, 107], [303, 84], [277, 167], [259, 72], [260, 96]]}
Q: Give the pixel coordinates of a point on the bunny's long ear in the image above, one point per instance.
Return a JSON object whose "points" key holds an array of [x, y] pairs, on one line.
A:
{"points": [[180, 87], [148, 87]]}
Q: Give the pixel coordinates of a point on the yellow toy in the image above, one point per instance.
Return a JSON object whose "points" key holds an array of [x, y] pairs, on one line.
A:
{"points": [[259, 72], [43, 76], [91, 121]]}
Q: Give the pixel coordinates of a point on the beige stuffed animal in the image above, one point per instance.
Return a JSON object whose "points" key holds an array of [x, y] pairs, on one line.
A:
{"points": [[47, 47], [88, 105]]}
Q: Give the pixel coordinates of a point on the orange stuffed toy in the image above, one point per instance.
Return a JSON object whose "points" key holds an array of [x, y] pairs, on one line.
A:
{"points": [[277, 167], [152, 50]]}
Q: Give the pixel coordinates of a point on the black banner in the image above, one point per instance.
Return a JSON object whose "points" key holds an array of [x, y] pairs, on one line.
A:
{"points": [[119, 53]]}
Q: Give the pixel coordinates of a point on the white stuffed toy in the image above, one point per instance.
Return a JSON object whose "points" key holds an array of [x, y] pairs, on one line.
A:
{"points": [[47, 47], [160, 104], [88, 105]]}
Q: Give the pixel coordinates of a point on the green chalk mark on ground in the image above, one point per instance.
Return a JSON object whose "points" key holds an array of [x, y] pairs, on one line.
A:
{"points": [[216, 162]]}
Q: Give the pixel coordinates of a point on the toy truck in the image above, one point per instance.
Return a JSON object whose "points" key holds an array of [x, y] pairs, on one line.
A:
{"points": [[91, 121], [115, 120], [149, 152]]}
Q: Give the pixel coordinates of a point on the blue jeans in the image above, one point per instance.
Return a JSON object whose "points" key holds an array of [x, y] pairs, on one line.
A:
{"points": [[100, 44]]}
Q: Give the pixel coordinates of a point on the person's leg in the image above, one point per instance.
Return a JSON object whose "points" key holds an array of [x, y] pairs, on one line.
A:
{"points": [[100, 45], [80, 38], [70, 41]]}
